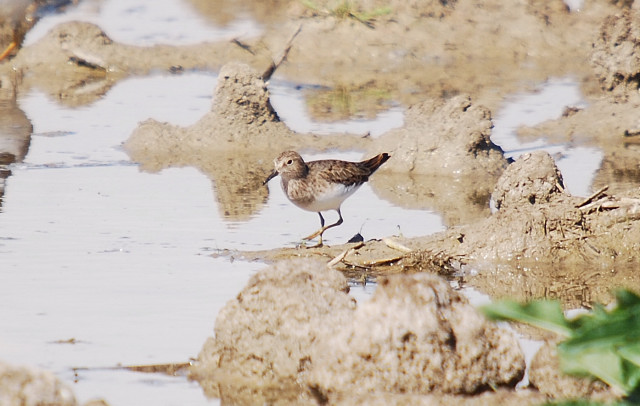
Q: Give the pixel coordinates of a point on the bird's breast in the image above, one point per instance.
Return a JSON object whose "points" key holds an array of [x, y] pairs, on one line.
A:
{"points": [[319, 197]]}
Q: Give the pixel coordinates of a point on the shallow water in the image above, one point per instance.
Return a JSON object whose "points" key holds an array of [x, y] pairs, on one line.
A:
{"points": [[119, 260], [577, 163], [95, 250], [146, 23]]}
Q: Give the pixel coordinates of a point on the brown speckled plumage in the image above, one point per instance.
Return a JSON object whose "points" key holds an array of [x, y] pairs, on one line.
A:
{"points": [[322, 185]]}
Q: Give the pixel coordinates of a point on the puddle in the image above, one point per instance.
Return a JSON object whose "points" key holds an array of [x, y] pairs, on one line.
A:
{"points": [[118, 260], [577, 163], [94, 250], [294, 112], [145, 23], [134, 388]]}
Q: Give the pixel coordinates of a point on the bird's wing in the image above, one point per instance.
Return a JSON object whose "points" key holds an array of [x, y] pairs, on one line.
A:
{"points": [[346, 173]]}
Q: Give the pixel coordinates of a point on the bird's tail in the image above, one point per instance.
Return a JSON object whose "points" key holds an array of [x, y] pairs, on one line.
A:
{"points": [[374, 163]]}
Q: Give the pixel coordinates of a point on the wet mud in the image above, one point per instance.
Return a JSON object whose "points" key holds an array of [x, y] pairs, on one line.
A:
{"points": [[293, 335]]}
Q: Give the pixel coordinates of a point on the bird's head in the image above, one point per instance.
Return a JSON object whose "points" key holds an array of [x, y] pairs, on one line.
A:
{"points": [[289, 165]]}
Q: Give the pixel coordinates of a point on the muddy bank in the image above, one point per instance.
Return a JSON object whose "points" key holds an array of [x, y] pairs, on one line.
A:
{"points": [[417, 50], [541, 242], [293, 333], [412, 51]]}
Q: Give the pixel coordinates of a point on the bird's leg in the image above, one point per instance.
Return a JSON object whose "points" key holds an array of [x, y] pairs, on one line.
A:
{"points": [[324, 228], [8, 50], [319, 232]]}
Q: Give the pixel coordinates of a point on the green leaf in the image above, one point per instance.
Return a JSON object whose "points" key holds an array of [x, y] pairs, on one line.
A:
{"points": [[604, 364], [616, 328], [604, 343], [540, 313], [631, 352]]}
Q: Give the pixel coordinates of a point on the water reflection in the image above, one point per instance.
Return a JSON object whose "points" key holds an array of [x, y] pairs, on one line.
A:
{"points": [[15, 133], [574, 286]]}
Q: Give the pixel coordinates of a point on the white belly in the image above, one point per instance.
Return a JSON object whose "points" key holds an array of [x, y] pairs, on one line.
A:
{"points": [[329, 198]]}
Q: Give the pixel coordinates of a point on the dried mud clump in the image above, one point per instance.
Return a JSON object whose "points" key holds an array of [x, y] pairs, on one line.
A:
{"points": [[70, 45], [450, 138], [545, 374], [616, 52], [535, 215], [416, 335], [241, 118], [31, 386], [537, 219], [242, 95], [263, 337], [531, 179]]}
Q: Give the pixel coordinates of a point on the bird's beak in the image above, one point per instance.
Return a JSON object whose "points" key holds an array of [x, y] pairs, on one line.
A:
{"points": [[273, 175]]}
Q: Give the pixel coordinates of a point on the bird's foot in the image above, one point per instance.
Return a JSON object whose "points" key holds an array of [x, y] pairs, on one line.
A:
{"points": [[318, 245], [314, 235]]}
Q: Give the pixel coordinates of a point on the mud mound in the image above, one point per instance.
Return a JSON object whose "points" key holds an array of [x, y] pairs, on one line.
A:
{"points": [[545, 375], [263, 337], [31, 386], [292, 332], [539, 220], [239, 86], [616, 52], [451, 137], [241, 117], [443, 159], [532, 178], [416, 335]]}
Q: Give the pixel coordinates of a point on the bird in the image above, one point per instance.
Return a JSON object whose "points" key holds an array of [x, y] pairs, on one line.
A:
{"points": [[322, 185], [17, 17]]}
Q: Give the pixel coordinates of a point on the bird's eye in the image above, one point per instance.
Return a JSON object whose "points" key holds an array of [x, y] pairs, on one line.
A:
{"points": [[289, 162]]}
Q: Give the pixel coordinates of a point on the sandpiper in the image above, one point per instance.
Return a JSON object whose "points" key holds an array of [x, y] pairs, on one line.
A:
{"points": [[322, 185]]}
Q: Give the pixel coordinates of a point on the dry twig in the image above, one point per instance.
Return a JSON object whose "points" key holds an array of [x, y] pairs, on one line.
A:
{"points": [[593, 196], [275, 64], [396, 245], [344, 253]]}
